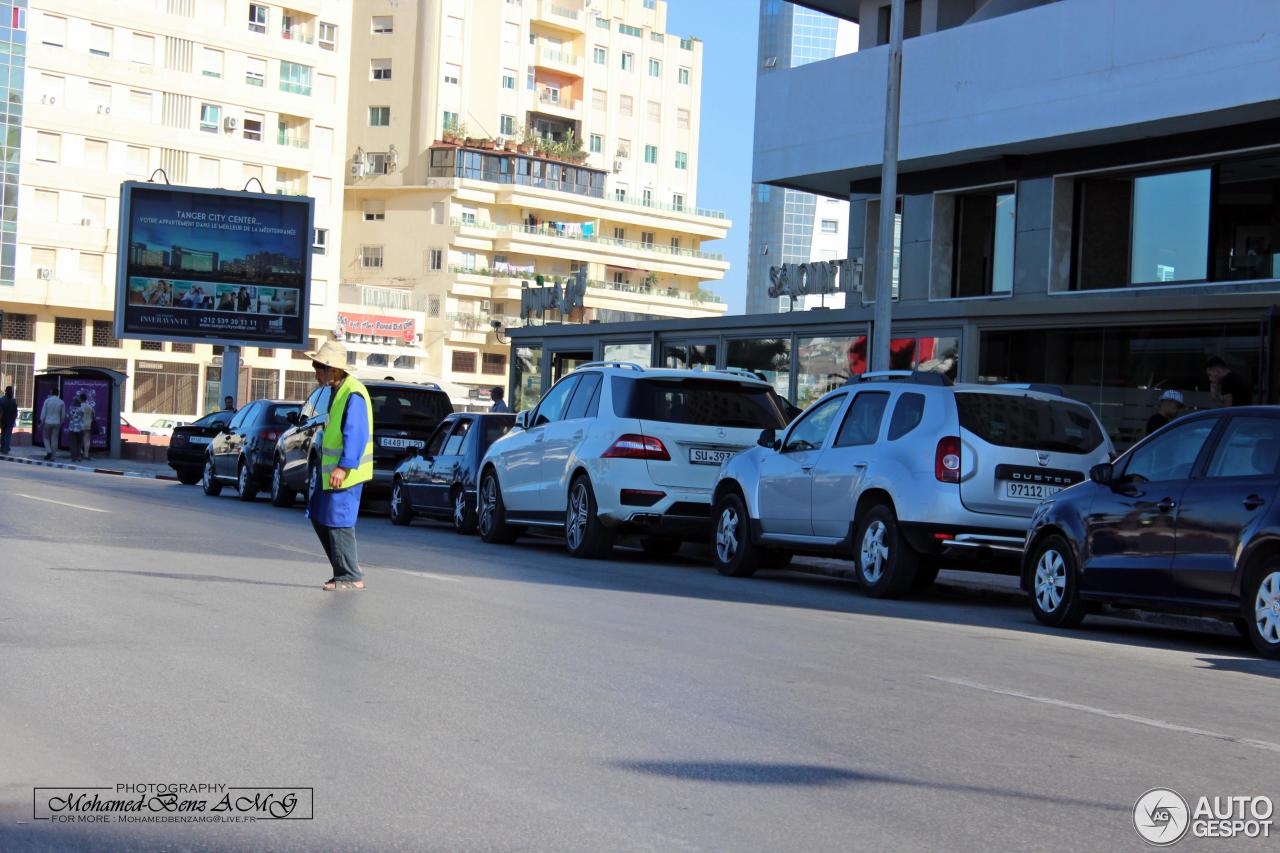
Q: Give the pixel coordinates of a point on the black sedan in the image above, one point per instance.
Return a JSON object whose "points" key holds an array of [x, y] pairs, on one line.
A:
{"points": [[189, 445], [1187, 520], [242, 453], [440, 482]]}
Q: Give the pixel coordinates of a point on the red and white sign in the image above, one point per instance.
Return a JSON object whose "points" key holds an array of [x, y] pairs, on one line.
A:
{"points": [[378, 326]]}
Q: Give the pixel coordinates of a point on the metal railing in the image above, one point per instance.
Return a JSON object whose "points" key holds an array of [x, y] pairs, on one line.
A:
{"points": [[283, 138], [561, 58], [382, 297], [621, 287], [555, 99], [543, 231]]}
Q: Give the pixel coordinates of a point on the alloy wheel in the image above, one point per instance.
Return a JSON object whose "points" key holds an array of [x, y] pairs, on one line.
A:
{"points": [[727, 535], [459, 510], [395, 499], [1051, 580], [1266, 608], [242, 481], [576, 528], [875, 553], [207, 479], [313, 483], [488, 504], [276, 485]]}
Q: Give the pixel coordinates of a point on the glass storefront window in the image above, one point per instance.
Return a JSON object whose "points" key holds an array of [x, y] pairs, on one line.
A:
{"points": [[769, 358], [984, 231], [689, 356], [825, 363], [527, 387], [1170, 239], [638, 353]]}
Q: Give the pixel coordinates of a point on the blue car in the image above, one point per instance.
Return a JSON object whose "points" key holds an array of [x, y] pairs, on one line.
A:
{"points": [[440, 481], [1187, 520]]}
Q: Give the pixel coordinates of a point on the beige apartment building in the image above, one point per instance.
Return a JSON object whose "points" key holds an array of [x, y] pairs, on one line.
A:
{"points": [[213, 92], [500, 145]]}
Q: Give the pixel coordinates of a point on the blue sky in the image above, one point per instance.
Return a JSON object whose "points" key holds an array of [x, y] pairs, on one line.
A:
{"points": [[728, 31]]}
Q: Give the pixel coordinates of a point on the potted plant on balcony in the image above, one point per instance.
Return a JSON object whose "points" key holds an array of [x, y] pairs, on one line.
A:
{"points": [[488, 144], [650, 281], [456, 134], [528, 140]]}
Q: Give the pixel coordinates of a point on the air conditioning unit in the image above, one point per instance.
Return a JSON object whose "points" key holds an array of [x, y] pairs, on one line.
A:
{"points": [[44, 273], [86, 221], [357, 170], [617, 165], [229, 123], [48, 99], [103, 109]]}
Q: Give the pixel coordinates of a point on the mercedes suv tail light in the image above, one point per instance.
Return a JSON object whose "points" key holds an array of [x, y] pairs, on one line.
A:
{"points": [[946, 461], [635, 446], [269, 434]]}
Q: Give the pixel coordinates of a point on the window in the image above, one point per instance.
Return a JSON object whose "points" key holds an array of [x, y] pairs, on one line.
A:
{"points": [[619, 233], [675, 245], [320, 241], [52, 88], [682, 119], [379, 69], [210, 118], [646, 237], [1249, 447], [210, 62], [507, 125], [650, 4], [379, 116], [907, 415], [625, 105], [677, 201], [862, 423], [253, 126], [982, 247], [682, 160], [140, 105], [453, 30], [295, 78], [93, 208], [68, 330], [450, 120], [602, 22], [586, 399], [328, 35], [435, 260], [654, 113], [55, 31], [255, 71], [100, 98], [137, 160], [451, 74], [469, 218], [95, 154], [375, 210], [100, 40], [811, 431], [628, 61], [463, 362], [381, 25], [494, 364], [628, 30], [596, 143], [624, 148], [509, 80], [683, 76], [600, 55], [457, 436], [552, 407], [143, 49], [46, 205], [371, 257], [599, 99], [1170, 456], [48, 147], [103, 334], [258, 16], [830, 226], [650, 154], [1007, 420], [655, 68]]}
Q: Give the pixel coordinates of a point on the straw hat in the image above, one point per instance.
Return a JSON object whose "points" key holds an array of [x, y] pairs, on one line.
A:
{"points": [[332, 354]]}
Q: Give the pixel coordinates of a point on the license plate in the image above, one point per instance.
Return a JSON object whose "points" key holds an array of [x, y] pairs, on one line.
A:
{"points": [[702, 456], [400, 442], [200, 439], [1029, 491]]}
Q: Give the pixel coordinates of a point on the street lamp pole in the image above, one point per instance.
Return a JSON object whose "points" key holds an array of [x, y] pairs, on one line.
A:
{"points": [[888, 195]]}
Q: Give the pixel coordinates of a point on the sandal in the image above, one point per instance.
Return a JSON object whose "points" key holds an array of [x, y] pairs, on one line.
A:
{"points": [[331, 585]]}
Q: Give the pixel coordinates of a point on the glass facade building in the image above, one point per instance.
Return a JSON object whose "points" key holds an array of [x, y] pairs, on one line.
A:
{"points": [[13, 53]]}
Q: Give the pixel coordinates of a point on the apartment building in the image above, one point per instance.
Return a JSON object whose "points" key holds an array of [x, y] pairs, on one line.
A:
{"points": [[501, 146], [214, 93]]}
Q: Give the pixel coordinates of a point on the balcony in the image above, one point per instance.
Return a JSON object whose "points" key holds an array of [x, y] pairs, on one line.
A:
{"points": [[561, 14], [298, 26], [544, 231], [558, 102], [371, 296], [557, 60], [293, 132], [617, 287]]}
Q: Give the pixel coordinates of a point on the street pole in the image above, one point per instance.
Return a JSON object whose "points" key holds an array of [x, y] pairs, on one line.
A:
{"points": [[230, 373], [881, 331]]}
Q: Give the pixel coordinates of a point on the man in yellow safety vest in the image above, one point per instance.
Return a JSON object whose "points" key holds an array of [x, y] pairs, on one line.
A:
{"points": [[346, 464]]}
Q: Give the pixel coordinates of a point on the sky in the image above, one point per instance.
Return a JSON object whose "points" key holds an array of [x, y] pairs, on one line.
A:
{"points": [[728, 29]]}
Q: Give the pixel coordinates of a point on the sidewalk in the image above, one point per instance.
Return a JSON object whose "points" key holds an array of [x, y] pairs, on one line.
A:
{"points": [[97, 465]]}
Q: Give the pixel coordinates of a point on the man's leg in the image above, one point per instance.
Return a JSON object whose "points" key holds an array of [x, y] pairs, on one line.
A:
{"points": [[346, 565], [86, 441], [322, 533], [6, 439], [73, 444], [50, 441]]}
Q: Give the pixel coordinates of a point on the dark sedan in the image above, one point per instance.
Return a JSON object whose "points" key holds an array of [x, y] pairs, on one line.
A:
{"points": [[441, 481], [189, 445], [1187, 520], [242, 453]]}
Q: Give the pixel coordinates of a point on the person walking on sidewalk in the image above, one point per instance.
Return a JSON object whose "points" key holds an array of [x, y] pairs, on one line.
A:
{"points": [[346, 464], [75, 428], [8, 417], [52, 414], [87, 416]]}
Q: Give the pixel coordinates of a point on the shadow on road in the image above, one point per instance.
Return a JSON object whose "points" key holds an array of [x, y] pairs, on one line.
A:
{"points": [[183, 576], [818, 775], [1264, 668]]}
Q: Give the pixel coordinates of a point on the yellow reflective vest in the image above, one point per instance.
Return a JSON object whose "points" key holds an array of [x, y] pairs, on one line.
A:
{"points": [[331, 438]]}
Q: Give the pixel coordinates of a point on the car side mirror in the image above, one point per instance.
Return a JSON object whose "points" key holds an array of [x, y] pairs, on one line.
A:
{"points": [[293, 418], [1104, 474], [768, 437], [522, 419]]}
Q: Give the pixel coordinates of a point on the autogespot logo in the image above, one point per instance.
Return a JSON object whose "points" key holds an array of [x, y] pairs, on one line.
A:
{"points": [[1161, 817]]}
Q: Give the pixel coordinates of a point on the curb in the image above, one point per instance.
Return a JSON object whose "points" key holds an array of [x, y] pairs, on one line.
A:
{"points": [[84, 469]]}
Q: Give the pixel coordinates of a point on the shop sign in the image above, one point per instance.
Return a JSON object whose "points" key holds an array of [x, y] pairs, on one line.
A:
{"points": [[816, 277]]}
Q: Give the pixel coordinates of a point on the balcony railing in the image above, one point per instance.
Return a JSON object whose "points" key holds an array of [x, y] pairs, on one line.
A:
{"points": [[555, 98], [621, 287], [297, 34], [283, 138], [561, 58], [544, 231], [382, 297], [674, 208]]}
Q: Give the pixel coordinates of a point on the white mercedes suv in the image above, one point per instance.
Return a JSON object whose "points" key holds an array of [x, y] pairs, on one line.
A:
{"points": [[617, 448]]}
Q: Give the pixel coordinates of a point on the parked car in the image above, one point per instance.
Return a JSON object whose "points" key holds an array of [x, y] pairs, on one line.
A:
{"points": [[440, 482], [1187, 520], [164, 427], [899, 470], [618, 448], [404, 416], [243, 452], [127, 428], [25, 418], [189, 445]]}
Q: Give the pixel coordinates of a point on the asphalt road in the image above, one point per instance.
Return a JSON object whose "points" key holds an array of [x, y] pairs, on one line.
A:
{"points": [[498, 698]]}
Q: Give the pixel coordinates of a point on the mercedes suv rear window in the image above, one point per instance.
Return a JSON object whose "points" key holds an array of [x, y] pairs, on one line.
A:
{"points": [[702, 402], [1014, 420], [278, 414], [408, 408]]}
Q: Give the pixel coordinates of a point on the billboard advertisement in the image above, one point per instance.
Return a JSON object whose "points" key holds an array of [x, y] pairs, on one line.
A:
{"points": [[378, 326], [213, 266]]}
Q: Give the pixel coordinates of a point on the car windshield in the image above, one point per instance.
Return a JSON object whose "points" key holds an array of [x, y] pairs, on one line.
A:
{"points": [[700, 402], [407, 408], [208, 419], [1017, 420], [278, 414]]}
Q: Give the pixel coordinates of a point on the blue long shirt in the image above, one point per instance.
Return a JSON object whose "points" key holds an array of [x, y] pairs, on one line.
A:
{"points": [[339, 507]]}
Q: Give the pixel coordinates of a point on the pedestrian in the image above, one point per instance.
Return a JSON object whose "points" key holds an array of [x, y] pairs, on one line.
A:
{"points": [[346, 464], [1226, 385], [228, 403], [1168, 407], [75, 427], [8, 417], [52, 414], [87, 417], [499, 404]]}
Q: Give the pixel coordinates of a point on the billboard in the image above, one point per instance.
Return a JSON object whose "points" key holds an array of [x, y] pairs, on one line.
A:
{"points": [[213, 266], [376, 325]]}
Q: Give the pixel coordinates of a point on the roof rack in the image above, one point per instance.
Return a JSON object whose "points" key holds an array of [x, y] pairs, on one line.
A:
{"points": [[919, 377], [741, 371], [626, 365]]}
